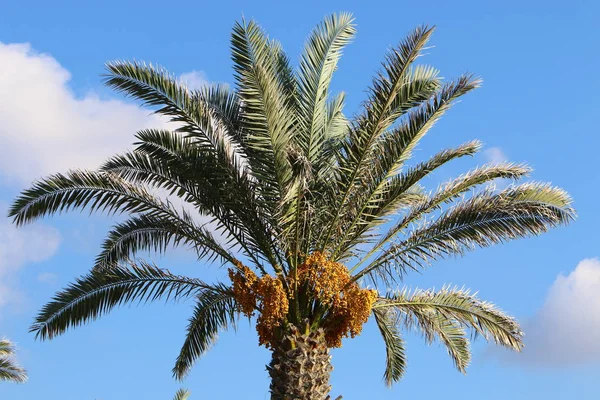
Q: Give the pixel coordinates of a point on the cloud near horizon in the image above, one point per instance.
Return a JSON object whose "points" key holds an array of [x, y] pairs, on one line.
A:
{"points": [[565, 331]]}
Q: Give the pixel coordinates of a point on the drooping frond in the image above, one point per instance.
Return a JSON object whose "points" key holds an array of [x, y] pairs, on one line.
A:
{"points": [[201, 116], [214, 311], [169, 162], [175, 163], [395, 363], [456, 307], [9, 370], [100, 291], [195, 117]]}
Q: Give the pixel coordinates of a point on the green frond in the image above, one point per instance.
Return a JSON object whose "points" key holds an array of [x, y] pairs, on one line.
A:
{"points": [[483, 220], [445, 194], [148, 233], [461, 307], [182, 394], [395, 363], [318, 62], [172, 162], [395, 194], [450, 333], [9, 370], [98, 292], [393, 93], [155, 87], [195, 117], [265, 101], [81, 189], [393, 149], [214, 311]]}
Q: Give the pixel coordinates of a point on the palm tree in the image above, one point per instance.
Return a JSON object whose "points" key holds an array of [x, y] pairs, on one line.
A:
{"points": [[9, 370], [316, 215]]}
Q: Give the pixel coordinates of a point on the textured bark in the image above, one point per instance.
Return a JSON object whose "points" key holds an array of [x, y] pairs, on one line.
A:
{"points": [[300, 367]]}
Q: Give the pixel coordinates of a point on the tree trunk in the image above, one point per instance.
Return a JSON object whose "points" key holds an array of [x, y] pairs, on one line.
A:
{"points": [[300, 367]]}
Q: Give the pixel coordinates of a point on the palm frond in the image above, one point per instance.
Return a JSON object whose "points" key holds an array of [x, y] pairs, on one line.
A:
{"points": [[395, 363], [98, 292], [318, 62], [445, 194], [148, 233], [154, 86], [198, 116], [395, 194], [9, 370], [483, 220], [461, 307], [81, 189], [393, 93], [214, 311], [182, 394], [257, 61]]}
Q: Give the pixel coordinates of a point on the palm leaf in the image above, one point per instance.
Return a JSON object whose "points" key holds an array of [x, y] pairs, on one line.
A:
{"points": [[483, 220], [181, 394], [214, 311], [460, 307], [145, 232], [9, 370], [393, 93], [395, 363], [318, 62], [95, 294]]}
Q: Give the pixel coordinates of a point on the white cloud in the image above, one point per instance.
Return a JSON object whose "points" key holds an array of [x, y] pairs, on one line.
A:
{"points": [[45, 128], [193, 79], [18, 247], [495, 155], [565, 331]]}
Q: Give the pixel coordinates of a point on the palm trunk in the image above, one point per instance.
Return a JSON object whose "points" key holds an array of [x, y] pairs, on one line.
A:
{"points": [[300, 367]]}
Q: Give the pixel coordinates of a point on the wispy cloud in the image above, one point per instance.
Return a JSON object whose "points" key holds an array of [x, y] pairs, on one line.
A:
{"points": [[193, 79], [19, 247], [565, 331], [495, 155]]}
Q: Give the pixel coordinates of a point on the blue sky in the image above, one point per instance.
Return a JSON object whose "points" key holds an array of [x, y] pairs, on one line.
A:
{"points": [[538, 104]]}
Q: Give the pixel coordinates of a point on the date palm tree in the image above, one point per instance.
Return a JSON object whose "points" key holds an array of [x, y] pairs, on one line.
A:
{"points": [[315, 214], [9, 370]]}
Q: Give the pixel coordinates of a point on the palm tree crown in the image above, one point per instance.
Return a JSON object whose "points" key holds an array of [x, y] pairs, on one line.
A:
{"points": [[307, 206]]}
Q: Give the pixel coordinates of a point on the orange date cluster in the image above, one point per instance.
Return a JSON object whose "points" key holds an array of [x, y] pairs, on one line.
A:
{"points": [[327, 282]]}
